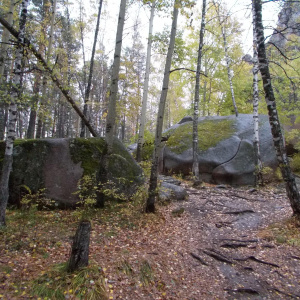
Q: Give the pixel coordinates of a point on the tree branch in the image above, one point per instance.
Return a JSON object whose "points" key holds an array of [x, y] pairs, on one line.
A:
{"points": [[54, 78]]}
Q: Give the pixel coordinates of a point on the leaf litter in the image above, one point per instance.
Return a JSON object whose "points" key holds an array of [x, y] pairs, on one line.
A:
{"points": [[229, 243]]}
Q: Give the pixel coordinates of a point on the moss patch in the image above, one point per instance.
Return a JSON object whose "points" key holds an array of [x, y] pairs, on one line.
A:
{"points": [[88, 152], [210, 133]]}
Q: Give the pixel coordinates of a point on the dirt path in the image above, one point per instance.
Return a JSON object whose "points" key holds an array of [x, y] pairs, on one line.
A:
{"points": [[229, 249]]}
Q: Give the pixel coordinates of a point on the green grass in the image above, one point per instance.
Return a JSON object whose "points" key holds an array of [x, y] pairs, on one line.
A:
{"points": [[87, 283]]}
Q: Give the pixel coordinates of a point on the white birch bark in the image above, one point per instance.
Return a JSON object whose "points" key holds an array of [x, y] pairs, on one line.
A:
{"points": [[145, 90], [11, 128], [197, 96], [278, 139], [257, 156], [52, 74], [150, 205]]}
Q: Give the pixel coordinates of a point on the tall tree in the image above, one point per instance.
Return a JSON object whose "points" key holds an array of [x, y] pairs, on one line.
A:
{"points": [[3, 56], [11, 134], [227, 58], [112, 102], [39, 131], [255, 70], [197, 95], [146, 86], [150, 205], [89, 83], [52, 73], [291, 187]]}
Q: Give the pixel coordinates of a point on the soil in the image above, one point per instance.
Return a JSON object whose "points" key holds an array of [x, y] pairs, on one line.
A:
{"points": [[230, 250], [221, 243]]}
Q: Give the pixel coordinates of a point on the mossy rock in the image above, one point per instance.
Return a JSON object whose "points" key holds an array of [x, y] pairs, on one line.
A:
{"points": [[57, 165], [210, 133], [225, 148]]}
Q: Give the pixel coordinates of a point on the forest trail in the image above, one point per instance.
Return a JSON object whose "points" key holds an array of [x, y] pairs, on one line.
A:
{"points": [[221, 243], [231, 249]]}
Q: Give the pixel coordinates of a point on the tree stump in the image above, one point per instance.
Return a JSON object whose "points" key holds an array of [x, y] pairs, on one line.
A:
{"points": [[79, 256]]}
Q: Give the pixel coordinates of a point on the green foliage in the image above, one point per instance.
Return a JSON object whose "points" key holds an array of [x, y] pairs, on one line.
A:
{"points": [[295, 163], [286, 232], [146, 273], [87, 192], [210, 133], [87, 283], [36, 200]]}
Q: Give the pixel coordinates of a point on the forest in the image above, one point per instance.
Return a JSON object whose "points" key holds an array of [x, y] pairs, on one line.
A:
{"points": [[111, 77]]}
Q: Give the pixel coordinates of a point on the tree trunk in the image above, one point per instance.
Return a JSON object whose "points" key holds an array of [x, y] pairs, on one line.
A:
{"points": [[13, 114], [291, 187], [79, 256], [112, 103], [41, 114], [257, 156], [3, 56], [150, 205], [227, 58], [89, 83], [197, 96], [145, 90], [52, 74]]}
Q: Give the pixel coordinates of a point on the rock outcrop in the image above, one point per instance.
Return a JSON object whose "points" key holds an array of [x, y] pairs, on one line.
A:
{"points": [[288, 24], [226, 152], [57, 165]]}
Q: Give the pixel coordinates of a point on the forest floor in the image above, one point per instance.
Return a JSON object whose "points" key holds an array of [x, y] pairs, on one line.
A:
{"points": [[222, 243]]}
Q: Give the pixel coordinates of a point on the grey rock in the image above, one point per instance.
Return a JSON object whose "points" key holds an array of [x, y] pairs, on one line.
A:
{"points": [[170, 192], [57, 165], [231, 160]]}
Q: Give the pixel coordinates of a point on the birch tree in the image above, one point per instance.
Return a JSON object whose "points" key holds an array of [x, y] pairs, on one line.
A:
{"points": [[278, 139], [150, 204], [11, 134], [227, 58], [52, 73], [3, 56], [197, 95], [255, 70], [145, 89]]}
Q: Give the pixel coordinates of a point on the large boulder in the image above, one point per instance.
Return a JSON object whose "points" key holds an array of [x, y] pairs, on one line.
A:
{"points": [[225, 152], [57, 165]]}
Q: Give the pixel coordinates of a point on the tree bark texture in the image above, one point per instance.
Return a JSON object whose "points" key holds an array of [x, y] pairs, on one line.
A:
{"points": [[145, 90], [52, 74], [13, 114], [150, 205], [278, 139], [89, 83], [112, 104], [111, 115], [3, 56], [257, 156], [79, 256], [197, 95]]}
